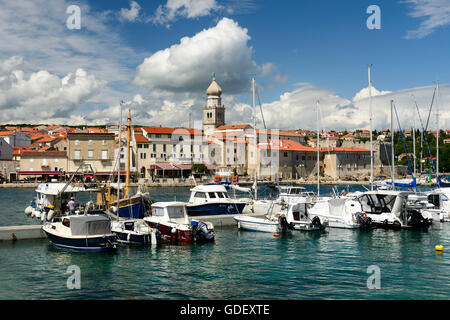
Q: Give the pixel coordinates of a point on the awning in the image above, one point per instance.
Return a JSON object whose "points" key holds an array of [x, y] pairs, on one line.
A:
{"points": [[164, 166], [38, 173]]}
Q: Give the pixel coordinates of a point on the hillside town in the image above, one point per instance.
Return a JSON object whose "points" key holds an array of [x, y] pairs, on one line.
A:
{"points": [[168, 154]]}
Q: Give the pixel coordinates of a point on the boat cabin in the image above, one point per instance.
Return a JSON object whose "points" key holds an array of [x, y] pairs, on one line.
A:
{"points": [[88, 225], [208, 193], [174, 212]]}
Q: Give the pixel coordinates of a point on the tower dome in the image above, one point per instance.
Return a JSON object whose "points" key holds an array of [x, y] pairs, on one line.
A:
{"points": [[214, 89]]}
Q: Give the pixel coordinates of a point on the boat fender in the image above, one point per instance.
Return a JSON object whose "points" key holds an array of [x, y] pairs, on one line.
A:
{"points": [[28, 210], [37, 214], [50, 214], [43, 216], [128, 237], [174, 230]]}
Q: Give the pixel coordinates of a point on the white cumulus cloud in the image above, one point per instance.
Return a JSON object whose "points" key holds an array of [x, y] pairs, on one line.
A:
{"points": [[187, 66], [132, 13]]}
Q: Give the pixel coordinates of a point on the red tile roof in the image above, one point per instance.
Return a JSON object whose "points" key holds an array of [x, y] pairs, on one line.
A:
{"points": [[140, 139], [233, 126]]}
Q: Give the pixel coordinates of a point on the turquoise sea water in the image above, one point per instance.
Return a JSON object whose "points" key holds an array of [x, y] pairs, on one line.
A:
{"points": [[238, 265]]}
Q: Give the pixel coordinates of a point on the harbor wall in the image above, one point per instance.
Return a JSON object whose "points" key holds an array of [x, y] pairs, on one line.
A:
{"points": [[21, 232]]}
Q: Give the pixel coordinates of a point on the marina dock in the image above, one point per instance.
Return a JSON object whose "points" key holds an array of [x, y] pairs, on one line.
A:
{"points": [[21, 232]]}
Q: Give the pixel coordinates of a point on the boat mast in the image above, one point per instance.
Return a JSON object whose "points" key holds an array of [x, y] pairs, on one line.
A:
{"points": [[255, 186], [437, 133], [392, 144], [371, 142], [414, 140], [119, 156], [318, 151], [127, 179]]}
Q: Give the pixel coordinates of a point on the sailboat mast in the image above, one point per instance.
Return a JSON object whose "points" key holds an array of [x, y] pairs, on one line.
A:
{"points": [[392, 144], [254, 134], [318, 151], [437, 132], [127, 179], [119, 156], [371, 142]]}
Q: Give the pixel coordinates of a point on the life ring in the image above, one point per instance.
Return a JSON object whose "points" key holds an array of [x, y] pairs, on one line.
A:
{"points": [[216, 178], [235, 178]]}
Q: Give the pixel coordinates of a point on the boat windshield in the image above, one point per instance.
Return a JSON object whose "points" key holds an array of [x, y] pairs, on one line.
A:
{"points": [[175, 212], [158, 212], [377, 203], [296, 190]]}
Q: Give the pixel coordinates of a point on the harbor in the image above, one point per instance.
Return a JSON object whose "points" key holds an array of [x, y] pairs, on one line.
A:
{"points": [[237, 265]]}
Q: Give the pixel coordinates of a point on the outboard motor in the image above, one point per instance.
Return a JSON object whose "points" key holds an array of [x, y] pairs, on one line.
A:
{"points": [[201, 232], [415, 219], [316, 222], [284, 224], [364, 221]]}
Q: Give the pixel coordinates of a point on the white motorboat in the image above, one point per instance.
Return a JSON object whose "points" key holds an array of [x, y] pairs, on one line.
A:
{"points": [[134, 231], [339, 213], [293, 194], [392, 209], [52, 198], [299, 218], [441, 210]]}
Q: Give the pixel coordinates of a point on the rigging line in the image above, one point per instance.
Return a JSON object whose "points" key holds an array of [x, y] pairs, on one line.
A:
{"points": [[406, 151], [431, 107], [426, 140]]}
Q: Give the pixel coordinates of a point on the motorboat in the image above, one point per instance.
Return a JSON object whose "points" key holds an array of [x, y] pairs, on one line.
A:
{"points": [[81, 232], [392, 209], [292, 194], [52, 198], [441, 210], [340, 214], [299, 217], [210, 200], [172, 220], [273, 223], [135, 231]]}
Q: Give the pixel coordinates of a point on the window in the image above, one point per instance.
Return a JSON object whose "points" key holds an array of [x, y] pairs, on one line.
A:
{"points": [[220, 194], [158, 136], [90, 154], [154, 147], [143, 155], [285, 154], [44, 162], [158, 212], [31, 160], [139, 145], [104, 154], [164, 148], [103, 142], [175, 212], [211, 195], [90, 142], [56, 160], [77, 155], [77, 142], [200, 195]]}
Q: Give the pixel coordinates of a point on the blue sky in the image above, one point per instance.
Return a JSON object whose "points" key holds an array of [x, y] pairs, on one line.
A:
{"points": [[299, 51]]}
